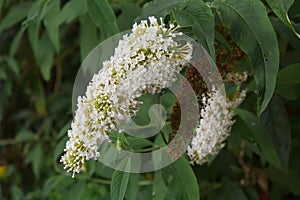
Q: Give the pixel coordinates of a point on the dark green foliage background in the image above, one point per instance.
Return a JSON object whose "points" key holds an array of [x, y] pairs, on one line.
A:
{"points": [[42, 44]]}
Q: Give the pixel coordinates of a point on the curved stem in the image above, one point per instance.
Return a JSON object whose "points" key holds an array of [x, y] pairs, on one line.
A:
{"points": [[145, 150]]}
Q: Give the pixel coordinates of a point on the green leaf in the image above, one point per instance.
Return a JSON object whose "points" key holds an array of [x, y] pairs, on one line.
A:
{"points": [[1, 3], [280, 8], [288, 82], [51, 183], [233, 190], [35, 158], [286, 33], [16, 193], [64, 129], [45, 56], [13, 64], [138, 143], [15, 15], [289, 75], [59, 148], [39, 9], [15, 43], [129, 11], [160, 8], [181, 180], [51, 21], [256, 37], [159, 186], [25, 135], [276, 123], [287, 181], [38, 97], [133, 187], [103, 16], [77, 190], [198, 15], [88, 38], [33, 36], [266, 147], [119, 184], [72, 9]]}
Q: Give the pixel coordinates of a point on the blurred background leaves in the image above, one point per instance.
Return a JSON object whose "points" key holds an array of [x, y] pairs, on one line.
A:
{"points": [[42, 44]]}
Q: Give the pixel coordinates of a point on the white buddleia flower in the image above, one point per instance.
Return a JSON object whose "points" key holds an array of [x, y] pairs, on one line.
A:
{"points": [[215, 126], [145, 61]]}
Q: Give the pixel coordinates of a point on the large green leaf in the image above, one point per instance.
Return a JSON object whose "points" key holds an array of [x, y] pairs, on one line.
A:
{"points": [[15, 15], [276, 123], [88, 38], [103, 16], [160, 8], [181, 180], [280, 8], [198, 15], [119, 181], [251, 29], [119, 184], [133, 186], [159, 186], [266, 147]]}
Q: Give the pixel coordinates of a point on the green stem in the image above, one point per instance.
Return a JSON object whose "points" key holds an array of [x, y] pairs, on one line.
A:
{"points": [[9, 142], [145, 150], [97, 180]]}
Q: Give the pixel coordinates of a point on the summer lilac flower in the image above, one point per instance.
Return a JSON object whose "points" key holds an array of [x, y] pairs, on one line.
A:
{"points": [[215, 126], [145, 61]]}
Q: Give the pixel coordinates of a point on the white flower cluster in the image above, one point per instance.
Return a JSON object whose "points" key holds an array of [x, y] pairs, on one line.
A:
{"points": [[215, 125], [145, 61]]}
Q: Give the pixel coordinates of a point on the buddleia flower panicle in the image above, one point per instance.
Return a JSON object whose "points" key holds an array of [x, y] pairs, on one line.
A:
{"points": [[216, 121], [145, 61]]}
